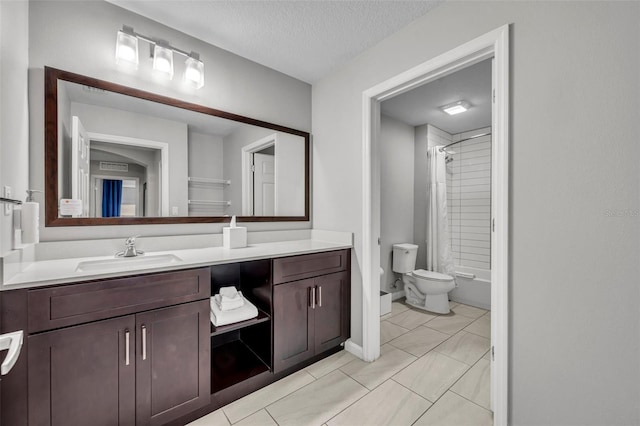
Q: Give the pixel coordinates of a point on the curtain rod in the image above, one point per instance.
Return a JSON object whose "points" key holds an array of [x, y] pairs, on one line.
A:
{"points": [[467, 139]]}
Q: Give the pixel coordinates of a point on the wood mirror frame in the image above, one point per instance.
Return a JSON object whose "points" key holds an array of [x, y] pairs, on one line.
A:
{"points": [[51, 78]]}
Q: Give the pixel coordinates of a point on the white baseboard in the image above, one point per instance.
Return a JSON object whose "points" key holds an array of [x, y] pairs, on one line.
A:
{"points": [[352, 348]]}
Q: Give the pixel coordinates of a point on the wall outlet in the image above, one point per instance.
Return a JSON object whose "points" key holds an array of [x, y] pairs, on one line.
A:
{"points": [[174, 211], [7, 194]]}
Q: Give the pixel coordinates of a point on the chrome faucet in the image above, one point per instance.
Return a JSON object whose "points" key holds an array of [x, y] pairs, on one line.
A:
{"points": [[130, 248]]}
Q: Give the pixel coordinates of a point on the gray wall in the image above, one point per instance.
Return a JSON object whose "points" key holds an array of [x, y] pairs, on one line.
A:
{"points": [[14, 115], [574, 195], [396, 193], [80, 37]]}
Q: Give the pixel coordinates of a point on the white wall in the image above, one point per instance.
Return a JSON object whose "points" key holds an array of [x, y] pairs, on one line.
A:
{"points": [[80, 37], [289, 175], [574, 195], [205, 161], [14, 118], [396, 193]]}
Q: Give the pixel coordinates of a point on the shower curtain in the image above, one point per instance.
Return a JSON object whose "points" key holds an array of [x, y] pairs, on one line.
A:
{"points": [[439, 257], [111, 198]]}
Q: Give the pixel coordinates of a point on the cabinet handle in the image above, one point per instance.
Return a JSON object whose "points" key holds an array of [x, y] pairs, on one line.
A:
{"points": [[313, 298], [126, 346], [144, 342], [319, 296]]}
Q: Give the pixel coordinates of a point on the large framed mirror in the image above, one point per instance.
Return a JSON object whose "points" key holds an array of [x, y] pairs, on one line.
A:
{"points": [[116, 155]]}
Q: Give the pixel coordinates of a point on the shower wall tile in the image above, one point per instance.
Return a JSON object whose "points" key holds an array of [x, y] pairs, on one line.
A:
{"points": [[480, 174], [469, 200], [474, 132], [470, 215], [474, 264], [471, 243], [477, 181]]}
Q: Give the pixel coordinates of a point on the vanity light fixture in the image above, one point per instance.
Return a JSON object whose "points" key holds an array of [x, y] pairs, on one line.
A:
{"points": [[162, 54], [127, 47], [194, 71], [456, 107], [163, 60]]}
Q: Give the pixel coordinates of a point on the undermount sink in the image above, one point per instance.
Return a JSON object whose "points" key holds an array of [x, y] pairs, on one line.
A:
{"points": [[127, 262]]}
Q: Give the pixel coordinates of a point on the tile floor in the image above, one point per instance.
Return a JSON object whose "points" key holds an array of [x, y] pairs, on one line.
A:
{"points": [[433, 370]]}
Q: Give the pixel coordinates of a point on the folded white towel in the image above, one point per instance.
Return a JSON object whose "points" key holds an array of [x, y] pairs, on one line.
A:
{"points": [[243, 313], [228, 304]]}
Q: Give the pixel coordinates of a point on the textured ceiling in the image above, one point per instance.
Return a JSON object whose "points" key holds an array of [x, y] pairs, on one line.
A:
{"points": [[305, 39], [422, 104]]}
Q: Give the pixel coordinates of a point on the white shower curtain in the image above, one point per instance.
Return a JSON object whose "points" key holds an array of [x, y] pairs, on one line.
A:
{"points": [[439, 258]]}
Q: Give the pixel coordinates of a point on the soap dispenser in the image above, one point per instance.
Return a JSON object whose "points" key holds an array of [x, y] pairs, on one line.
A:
{"points": [[30, 219], [234, 236]]}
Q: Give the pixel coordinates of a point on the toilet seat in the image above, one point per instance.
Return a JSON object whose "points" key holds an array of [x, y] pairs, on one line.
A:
{"points": [[431, 275]]}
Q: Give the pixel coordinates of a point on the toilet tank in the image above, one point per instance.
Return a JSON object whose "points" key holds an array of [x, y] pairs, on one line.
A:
{"points": [[404, 257]]}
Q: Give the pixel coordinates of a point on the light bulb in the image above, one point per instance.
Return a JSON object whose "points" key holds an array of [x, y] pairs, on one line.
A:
{"points": [[127, 49], [194, 71], [192, 74], [163, 61]]}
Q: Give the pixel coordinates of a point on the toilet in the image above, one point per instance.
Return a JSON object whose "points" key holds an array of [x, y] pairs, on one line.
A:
{"points": [[425, 290]]}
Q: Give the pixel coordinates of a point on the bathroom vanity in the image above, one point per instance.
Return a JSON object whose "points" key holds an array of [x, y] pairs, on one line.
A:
{"points": [[129, 341], [141, 350]]}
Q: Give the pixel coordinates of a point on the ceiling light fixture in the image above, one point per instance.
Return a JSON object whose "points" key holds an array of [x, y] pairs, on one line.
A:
{"points": [[162, 54], [456, 107]]}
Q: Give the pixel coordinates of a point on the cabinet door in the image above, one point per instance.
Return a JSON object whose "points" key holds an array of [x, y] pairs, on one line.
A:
{"points": [[83, 375], [332, 320], [292, 324], [173, 362]]}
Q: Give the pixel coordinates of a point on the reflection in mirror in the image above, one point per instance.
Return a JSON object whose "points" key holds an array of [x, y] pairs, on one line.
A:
{"points": [[122, 156]]}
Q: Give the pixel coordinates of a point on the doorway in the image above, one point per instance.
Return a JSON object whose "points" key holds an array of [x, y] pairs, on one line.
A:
{"points": [[491, 45], [259, 177]]}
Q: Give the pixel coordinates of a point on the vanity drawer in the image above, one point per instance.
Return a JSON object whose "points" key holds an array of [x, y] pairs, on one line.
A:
{"points": [[73, 304], [309, 265]]}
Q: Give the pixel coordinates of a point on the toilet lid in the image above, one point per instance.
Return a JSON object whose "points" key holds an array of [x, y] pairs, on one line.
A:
{"points": [[431, 275]]}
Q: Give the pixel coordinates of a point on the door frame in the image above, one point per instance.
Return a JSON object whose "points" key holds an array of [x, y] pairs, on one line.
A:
{"points": [[247, 178], [145, 143], [494, 44]]}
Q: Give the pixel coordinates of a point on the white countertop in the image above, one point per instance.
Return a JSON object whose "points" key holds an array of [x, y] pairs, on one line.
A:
{"points": [[47, 272]]}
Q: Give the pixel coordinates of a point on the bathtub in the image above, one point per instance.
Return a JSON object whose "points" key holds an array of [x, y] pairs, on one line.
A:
{"points": [[473, 287]]}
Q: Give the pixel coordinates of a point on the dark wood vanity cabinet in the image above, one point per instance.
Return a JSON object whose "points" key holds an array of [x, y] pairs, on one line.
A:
{"points": [[80, 376], [172, 362], [141, 350], [311, 315], [145, 368]]}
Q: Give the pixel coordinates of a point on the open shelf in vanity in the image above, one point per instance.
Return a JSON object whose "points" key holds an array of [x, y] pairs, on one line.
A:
{"points": [[242, 350], [262, 317]]}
